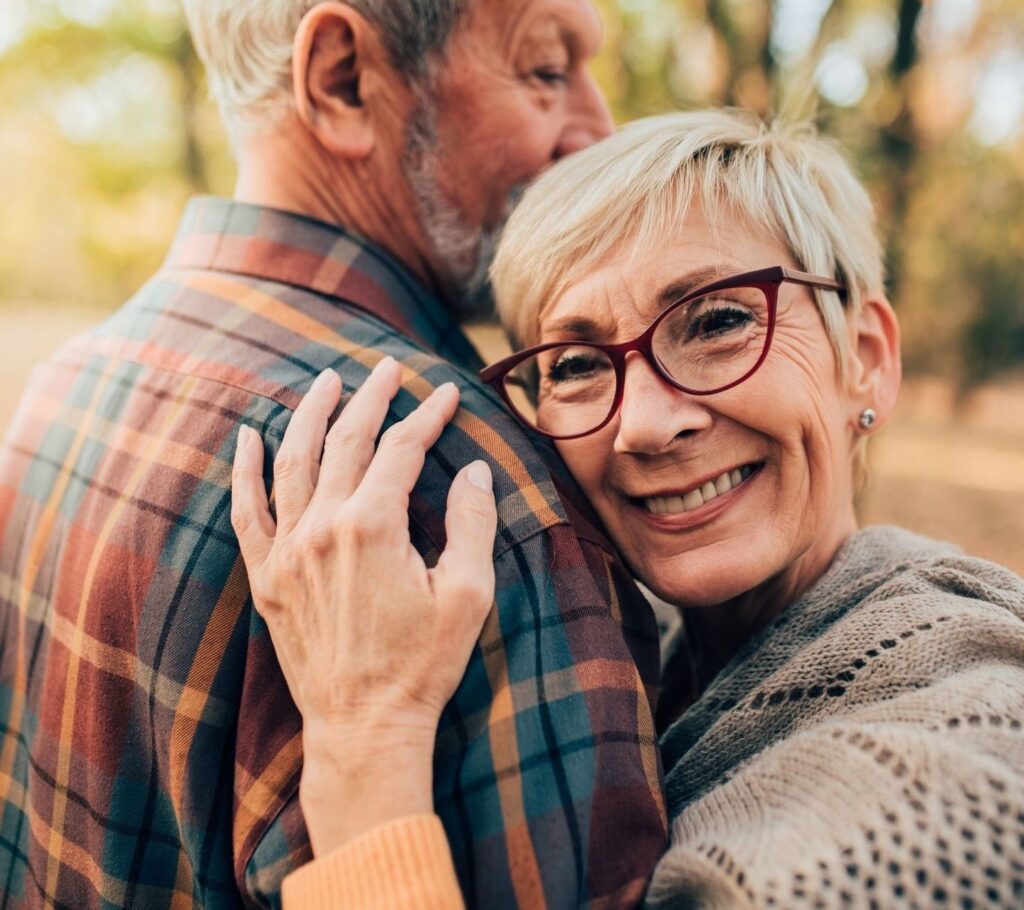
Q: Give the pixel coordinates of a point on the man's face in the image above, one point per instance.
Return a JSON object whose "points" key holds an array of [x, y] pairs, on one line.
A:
{"points": [[513, 96]]}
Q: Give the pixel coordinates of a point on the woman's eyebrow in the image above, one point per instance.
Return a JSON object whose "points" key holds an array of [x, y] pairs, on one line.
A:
{"points": [[691, 281], [585, 327], [581, 326]]}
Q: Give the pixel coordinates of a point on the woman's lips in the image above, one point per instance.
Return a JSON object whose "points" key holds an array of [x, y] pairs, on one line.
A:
{"points": [[686, 510]]}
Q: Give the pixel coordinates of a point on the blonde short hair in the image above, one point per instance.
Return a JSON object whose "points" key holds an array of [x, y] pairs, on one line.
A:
{"points": [[635, 188], [246, 47]]}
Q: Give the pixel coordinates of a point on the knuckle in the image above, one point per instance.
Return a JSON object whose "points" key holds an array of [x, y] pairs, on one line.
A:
{"points": [[261, 594], [402, 436], [292, 464], [346, 438], [319, 539], [366, 522], [289, 565], [469, 593], [480, 510], [239, 471], [361, 528], [240, 518]]}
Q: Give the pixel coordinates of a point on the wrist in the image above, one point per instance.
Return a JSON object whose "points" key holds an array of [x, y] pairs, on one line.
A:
{"points": [[357, 777]]}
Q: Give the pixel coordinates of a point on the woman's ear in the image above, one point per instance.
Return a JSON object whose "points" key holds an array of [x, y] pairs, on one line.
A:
{"points": [[335, 53], [875, 367]]}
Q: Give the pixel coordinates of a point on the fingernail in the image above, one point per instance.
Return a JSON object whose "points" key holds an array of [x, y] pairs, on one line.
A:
{"points": [[383, 364], [246, 437], [324, 380], [446, 388], [480, 475]]}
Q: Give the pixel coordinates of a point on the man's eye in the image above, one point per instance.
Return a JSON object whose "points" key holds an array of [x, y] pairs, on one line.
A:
{"points": [[550, 75]]}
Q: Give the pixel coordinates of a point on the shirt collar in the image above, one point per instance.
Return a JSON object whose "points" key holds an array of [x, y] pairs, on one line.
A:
{"points": [[284, 247]]}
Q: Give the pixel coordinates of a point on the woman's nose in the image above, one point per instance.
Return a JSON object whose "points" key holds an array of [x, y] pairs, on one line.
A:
{"points": [[654, 413]]}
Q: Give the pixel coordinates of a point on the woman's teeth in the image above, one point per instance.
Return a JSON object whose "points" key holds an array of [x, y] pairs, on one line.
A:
{"points": [[694, 499]]}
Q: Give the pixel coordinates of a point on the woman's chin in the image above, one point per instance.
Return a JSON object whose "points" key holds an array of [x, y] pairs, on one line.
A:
{"points": [[706, 577], [690, 597]]}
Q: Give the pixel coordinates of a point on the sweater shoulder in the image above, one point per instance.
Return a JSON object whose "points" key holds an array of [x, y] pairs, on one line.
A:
{"points": [[939, 576]]}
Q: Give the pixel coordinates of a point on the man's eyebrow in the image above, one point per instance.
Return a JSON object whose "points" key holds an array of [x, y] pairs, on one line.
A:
{"points": [[690, 282], [575, 42]]}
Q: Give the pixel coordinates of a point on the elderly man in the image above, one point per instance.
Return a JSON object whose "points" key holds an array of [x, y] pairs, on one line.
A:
{"points": [[151, 752]]}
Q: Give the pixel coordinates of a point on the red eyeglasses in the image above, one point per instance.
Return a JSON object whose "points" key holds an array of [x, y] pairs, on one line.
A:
{"points": [[706, 342]]}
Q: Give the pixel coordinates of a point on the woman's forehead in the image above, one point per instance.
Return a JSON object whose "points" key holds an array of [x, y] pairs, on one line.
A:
{"points": [[636, 285]]}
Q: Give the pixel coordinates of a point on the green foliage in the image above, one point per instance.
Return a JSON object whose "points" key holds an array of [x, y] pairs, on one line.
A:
{"points": [[105, 130]]}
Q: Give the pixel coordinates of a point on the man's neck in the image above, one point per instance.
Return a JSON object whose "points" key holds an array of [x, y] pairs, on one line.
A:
{"points": [[286, 169]]}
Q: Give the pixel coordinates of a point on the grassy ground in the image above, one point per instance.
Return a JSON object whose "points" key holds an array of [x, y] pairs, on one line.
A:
{"points": [[950, 469]]}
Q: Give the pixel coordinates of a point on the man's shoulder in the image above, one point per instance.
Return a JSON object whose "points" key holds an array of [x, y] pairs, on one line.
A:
{"points": [[257, 346]]}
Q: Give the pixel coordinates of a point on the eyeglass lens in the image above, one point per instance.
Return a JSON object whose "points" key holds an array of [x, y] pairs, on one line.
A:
{"points": [[703, 344]]}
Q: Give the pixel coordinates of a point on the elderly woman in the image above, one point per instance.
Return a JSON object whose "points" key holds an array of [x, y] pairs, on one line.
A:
{"points": [[705, 335]]}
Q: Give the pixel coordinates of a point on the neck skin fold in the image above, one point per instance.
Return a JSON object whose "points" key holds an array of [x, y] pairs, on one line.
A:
{"points": [[288, 169]]}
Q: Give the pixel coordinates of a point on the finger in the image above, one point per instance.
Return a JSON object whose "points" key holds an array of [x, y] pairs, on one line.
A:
{"points": [[250, 514], [464, 575], [403, 449], [298, 459], [352, 440]]}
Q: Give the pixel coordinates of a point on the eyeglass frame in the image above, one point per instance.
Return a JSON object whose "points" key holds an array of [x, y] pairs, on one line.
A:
{"points": [[766, 280]]}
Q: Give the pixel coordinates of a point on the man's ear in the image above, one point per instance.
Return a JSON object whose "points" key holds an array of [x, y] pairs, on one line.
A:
{"points": [[335, 53], [875, 366]]}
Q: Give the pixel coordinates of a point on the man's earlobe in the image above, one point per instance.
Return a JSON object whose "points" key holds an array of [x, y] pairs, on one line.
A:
{"points": [[876, 366], [334, 45]]}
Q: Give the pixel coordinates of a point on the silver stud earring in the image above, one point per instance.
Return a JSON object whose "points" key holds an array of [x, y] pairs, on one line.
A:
{"points": [[867, 418]]}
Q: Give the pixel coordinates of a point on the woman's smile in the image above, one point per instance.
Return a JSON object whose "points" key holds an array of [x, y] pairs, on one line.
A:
{"points": [[703, 492]]}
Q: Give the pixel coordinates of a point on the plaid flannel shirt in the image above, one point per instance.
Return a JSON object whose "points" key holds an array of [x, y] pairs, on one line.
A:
{"points": [[151, 752]]}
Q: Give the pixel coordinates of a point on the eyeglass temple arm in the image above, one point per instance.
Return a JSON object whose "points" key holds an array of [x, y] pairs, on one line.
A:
{"points": [[815, 281]]}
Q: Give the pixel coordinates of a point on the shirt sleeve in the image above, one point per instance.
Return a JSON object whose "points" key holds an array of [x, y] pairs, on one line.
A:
{"points": [[547, 779], [402, 865], [547, 776]]}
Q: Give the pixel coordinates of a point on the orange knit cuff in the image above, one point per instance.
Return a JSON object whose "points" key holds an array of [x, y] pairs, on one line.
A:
{"points": [[402, 865]]}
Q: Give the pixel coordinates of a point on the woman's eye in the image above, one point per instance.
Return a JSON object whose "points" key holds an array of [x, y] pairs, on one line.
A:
{"points": [[718, 321], [575, 366]]}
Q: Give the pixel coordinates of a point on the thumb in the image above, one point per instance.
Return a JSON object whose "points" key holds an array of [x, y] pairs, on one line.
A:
{"points": [[465, 571]]}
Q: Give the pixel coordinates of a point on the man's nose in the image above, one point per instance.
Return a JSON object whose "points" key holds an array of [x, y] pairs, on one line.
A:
{"points": [[653, 413], [589, 119]]}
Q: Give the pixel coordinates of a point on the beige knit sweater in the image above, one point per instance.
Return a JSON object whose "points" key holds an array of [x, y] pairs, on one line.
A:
{"points": [[865, 750]]}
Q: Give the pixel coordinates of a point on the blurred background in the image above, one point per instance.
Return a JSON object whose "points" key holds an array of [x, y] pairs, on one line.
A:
{"points": [[106, 130]]}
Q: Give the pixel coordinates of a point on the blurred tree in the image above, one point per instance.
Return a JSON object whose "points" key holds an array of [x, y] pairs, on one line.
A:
{"points": [[929, 100], [114, 133], [106, 124]]}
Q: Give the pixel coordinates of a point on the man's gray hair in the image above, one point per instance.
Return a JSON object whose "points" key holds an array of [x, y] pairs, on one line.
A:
{"points": [[246, 46]]}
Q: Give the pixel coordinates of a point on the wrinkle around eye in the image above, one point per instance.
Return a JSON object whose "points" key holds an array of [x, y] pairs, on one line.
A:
{"points": [[799, 344]]}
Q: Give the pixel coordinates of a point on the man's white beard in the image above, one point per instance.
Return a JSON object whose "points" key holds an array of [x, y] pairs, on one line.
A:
{"points": [[464, 251]]}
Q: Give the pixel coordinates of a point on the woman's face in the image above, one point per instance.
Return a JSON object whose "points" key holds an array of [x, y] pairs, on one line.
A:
{"points": [[787, 431]]}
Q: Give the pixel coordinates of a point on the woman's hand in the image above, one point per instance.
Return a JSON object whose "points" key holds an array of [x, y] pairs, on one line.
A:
{"points": [[372, 643]]}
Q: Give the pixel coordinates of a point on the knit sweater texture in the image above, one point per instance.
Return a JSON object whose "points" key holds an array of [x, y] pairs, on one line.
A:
{"points": [[864, 750]]}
